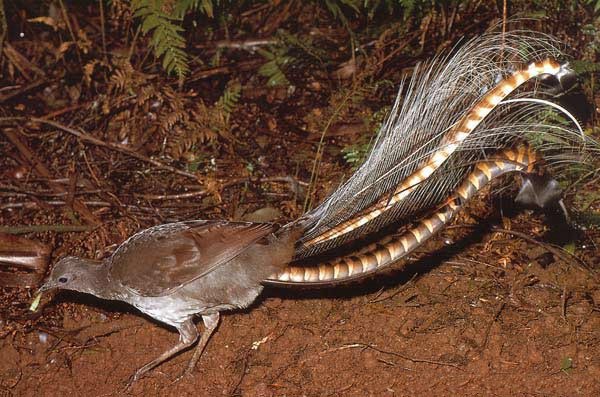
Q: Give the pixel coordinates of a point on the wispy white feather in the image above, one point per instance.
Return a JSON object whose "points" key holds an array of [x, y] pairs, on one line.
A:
{"points": [[429, 105]]}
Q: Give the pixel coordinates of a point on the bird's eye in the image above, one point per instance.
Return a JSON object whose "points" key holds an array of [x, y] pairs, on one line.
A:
{"points": [[62, 279]]}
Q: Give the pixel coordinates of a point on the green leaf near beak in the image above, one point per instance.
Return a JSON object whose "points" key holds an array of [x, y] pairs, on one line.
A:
{"points": [[36, 302]]}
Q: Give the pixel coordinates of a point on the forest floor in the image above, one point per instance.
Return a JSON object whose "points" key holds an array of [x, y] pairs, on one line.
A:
{"points": [[504, 302]]}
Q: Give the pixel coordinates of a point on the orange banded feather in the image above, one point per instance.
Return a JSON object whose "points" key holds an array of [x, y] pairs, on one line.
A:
{"points": [[378, 255], [449, 144]]}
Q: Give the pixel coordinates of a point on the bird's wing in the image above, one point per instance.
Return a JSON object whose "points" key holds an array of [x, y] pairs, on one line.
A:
{"points": [[159, 260]]}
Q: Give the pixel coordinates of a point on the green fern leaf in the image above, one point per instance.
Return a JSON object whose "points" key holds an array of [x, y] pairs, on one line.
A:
{"points": [[273, 69], [182, 7], [167, 40], [230, 98]]}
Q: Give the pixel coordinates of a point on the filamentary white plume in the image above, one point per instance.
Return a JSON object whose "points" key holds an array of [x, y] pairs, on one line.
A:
{"points": [[429, 105]]}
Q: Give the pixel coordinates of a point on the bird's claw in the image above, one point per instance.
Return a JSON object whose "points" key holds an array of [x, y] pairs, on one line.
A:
{"points": [[184, 374], [132, 379]]}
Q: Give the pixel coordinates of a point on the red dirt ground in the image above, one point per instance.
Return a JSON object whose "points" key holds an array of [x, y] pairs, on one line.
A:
{"points": [[491, 314], [487, 320]]}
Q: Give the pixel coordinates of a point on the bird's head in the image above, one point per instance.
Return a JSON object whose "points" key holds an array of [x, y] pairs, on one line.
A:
{"points": [[74, 274], [68, 273]]}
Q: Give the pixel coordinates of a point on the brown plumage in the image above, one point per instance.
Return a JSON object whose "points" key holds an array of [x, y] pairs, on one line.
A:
{"points": [[176, 271]]}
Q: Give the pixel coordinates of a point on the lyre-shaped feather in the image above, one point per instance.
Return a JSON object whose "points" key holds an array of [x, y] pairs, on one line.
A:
{"points": [[450, 116]]}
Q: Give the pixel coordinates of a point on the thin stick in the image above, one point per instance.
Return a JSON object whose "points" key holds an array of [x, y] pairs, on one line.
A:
{"points": [[24, 89], [44, 228], [495, 317], [3, 27], [282, 179], [559, 252], [411, 359], [71, 32], [103, 28], [401, 289], [33, 161], [132, 47], [95, 141], [563, 302], [314, 174]]}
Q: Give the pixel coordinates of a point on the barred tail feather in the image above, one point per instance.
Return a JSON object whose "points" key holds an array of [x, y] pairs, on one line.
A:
{"points": [[379, 255], [450, 116]]}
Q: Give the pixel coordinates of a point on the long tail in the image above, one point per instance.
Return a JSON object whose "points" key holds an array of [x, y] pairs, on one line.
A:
{"points": [[449, 145], [452, 116], [376, 256]]}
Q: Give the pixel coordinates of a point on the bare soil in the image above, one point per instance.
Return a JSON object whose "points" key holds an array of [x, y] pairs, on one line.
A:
{"points": [[477, 311]]}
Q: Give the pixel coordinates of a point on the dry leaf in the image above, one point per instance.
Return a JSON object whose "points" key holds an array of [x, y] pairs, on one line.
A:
{"points": [[64, 46], [46, 21]]}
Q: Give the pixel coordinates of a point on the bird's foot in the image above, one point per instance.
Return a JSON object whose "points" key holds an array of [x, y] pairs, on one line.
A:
{"points": [[185, 374], [134, 378], [210, 322]]}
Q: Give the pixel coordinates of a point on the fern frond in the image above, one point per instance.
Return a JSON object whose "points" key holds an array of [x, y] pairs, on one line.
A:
{"points": [[167, 40], [584, 66], [122, 77], [182, 7], [335, 8], [273, 69], [229, 100]]}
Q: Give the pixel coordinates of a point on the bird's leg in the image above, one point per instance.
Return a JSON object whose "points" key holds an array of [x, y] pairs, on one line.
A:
{"points": [[210, 323], [188, 334]]}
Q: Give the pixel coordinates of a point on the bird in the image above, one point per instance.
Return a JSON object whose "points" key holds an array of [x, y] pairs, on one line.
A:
{"points": [[174, 272], [448, 122]]}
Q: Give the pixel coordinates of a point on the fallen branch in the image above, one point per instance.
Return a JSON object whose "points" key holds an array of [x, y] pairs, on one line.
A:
{"points": [[33, 161], [95, 141], [45, 228]]}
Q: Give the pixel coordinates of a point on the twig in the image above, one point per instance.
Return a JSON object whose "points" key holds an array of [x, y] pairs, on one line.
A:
{"points": [[65, 16], [33, 161], [559, 252], [340, 392], [234, 389], [314, 173], [20, 279], [68, 109], [15, 192], [563, 302], [285, 179], [170, 209], [23, 89], [401, 289], [133, 42], [492, 321], [21, 63], [583, 177], [248, 45], [95, 141], [103, 28], [226, 69], [3, 27], [402, 356], [54, 203], [45, 228], [398, 49]]}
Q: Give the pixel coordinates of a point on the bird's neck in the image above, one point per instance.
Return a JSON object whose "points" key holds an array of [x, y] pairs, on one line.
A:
{"points": [[97, 281]]}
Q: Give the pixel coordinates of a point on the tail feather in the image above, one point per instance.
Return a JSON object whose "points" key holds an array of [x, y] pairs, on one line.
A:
{"points": [[377, 256], [449, 118]]}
